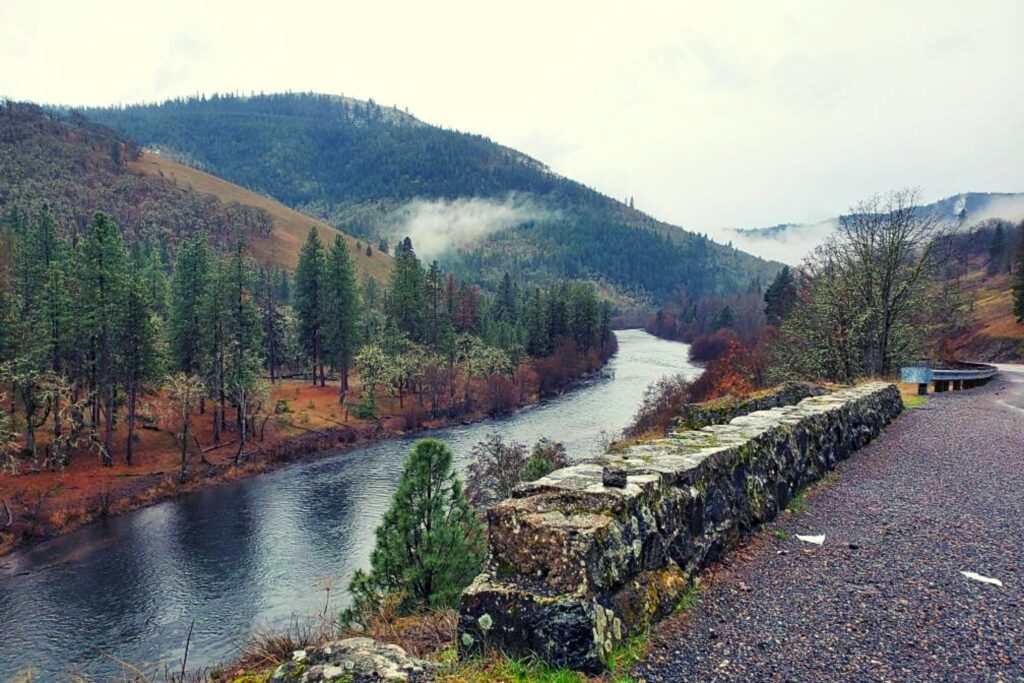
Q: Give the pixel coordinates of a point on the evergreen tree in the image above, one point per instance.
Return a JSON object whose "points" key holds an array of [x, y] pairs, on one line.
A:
{"points": [[104, 273], [212, 316], [341, 311], [429, 545], [188, 290], [538, 341], [405, 304], [310, 304], [244, 352], [435, 317], [506, 305], [999, 253], [780, 297], [136, 343], [725, 318], [273, 323]]}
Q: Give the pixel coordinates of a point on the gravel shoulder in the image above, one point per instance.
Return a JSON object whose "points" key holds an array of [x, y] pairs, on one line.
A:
{"points": [[883, 599]]}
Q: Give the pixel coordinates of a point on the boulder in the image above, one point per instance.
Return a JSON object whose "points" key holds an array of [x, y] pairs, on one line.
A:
{"points": [[354, 660]]}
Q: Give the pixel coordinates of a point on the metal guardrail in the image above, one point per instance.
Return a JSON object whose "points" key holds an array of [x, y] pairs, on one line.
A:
{"points": [[945, 375]]}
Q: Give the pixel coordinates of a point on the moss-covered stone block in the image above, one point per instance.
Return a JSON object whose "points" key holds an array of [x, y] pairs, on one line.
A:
{"points": [[576, 566]]}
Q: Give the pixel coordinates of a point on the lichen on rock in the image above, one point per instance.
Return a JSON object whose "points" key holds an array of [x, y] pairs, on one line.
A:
{"points": [[575, 566], [354, 660]]}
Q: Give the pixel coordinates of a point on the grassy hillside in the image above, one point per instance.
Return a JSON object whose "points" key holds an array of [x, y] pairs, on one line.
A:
{"points": [[72, 168], [290, 227], [371, 170], [990, 331]]}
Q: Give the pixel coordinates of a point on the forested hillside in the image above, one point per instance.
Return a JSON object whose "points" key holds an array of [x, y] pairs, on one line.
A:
{"points": [[361, 166], [72, 168]]}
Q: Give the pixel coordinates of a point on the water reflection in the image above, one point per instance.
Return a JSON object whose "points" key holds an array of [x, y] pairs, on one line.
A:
{"points": [[252, 553]]}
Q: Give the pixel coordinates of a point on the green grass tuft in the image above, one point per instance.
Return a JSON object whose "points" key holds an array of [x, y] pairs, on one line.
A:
{"points": [[690, 598], [798, 503], [780, 534], [627, 653], [911, 402]]}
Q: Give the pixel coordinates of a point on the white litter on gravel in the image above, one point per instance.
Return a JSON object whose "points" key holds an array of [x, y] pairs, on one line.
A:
{"points": [[984, 579], [816, 540]]}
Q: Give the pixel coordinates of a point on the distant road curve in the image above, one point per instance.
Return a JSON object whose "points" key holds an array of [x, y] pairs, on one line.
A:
{"points": [[941, 492]]}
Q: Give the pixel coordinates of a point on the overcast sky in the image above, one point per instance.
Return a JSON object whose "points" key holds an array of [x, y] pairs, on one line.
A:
{"points": [[710, 116]]}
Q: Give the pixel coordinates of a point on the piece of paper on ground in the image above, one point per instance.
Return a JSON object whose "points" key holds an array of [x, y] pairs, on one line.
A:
{"points": [[816, 540], [984, 579]]}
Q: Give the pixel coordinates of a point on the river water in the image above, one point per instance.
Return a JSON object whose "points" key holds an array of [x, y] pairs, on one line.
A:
{"points": [[256, 553]]}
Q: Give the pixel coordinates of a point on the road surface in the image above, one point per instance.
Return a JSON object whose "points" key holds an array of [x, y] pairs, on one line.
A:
{"points": [[941, 492]]}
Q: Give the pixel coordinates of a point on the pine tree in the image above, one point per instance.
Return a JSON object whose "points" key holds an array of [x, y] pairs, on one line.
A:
{"points": [[725, 318], [244, 351], [188, 289], [538, 341], [435, 312], [104, 272], [405, 303], [341, 311], [780, 297], [136, 343], [213, 312], [274, 325], [429, 545], [507, 297], [309, 302], [999, 252]]}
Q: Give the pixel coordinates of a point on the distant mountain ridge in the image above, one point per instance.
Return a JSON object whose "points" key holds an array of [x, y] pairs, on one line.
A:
{"points": [[791, 242], [360, 166]]}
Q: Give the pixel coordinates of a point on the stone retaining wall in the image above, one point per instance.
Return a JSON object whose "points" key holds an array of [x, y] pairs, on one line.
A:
{"points": [[576, 566], [698, 415]]}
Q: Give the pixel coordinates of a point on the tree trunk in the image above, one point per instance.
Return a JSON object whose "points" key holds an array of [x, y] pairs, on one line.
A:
{"points": [[184, 448], [30, 436], [240, 419], [129, 448]]}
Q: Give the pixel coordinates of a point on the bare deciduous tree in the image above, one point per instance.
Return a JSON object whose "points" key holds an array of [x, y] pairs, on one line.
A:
{"points": [[184, 392], [865, 295]]}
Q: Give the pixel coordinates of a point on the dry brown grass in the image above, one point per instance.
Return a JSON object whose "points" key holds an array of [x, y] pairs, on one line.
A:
{"points": [[265, 649], [290, 226]]}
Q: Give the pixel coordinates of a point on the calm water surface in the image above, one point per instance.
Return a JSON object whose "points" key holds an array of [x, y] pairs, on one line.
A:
{"points": [[254, 553]]}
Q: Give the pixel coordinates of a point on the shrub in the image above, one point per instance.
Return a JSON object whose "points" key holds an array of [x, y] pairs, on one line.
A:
{"points": [[365, 409], [498, 467], [546, 457], [662, 404], [730, 375], [502, 394], [709, 347]]}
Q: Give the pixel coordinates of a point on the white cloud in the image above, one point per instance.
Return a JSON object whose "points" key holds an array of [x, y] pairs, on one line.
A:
{"points": [[711, 115]]}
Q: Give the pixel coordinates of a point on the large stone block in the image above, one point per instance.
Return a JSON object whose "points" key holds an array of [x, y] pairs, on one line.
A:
{"points": [[575, 565]]}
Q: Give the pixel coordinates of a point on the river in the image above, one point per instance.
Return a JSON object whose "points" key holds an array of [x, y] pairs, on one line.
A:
{"points": [[256, 553]]}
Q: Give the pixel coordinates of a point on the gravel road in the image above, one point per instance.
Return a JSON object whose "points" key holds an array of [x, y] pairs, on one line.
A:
{"points": [[884, 599]]}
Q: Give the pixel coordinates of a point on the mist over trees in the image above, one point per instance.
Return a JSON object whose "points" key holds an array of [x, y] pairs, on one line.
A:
{"points": [[357, 164]]}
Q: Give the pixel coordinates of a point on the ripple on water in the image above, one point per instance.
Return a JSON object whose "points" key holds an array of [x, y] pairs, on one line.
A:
{"points": [[252, 553]]}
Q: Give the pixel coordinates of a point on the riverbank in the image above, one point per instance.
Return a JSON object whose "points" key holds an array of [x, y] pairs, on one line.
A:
{"points": [[260, 553], [305, 423]]}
